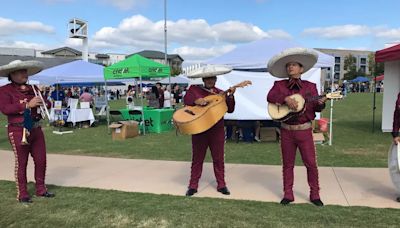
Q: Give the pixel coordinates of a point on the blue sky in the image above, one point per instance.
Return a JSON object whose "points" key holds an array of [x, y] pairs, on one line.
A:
{"points": [[201, 29]]}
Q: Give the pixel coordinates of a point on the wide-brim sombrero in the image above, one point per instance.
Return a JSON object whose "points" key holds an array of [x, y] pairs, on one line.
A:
{"points": [[209, 71], [32, 66], [306, 57]]}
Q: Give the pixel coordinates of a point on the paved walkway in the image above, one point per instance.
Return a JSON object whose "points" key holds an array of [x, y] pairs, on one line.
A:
{"points": [[370, 187]]}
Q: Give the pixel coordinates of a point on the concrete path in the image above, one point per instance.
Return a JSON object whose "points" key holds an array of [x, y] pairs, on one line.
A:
{"points": [[370, 187]]}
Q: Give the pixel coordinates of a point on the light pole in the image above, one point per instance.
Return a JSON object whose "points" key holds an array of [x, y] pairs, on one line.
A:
{"points": [[165, 42]]}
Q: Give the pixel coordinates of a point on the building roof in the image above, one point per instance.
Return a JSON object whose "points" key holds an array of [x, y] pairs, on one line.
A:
{"points": [[53, 51], [48, 62], [388, 54], [155, 55], [102, 56]]}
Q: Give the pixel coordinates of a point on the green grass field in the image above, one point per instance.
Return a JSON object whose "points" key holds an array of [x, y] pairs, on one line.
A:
{"points": [[83, 207], [354, 144]]}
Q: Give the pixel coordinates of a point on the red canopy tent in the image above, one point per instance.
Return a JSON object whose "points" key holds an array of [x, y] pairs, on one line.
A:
{"points": [[391, 57], [388, 54], [379, 78]]}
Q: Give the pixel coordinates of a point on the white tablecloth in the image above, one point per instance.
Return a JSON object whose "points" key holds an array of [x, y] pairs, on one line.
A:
{"points": [[79, 115]]}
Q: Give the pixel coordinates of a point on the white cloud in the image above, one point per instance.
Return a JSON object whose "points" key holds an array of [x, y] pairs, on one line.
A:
{"points": [[23, 44], [10, 27], [196, 38], [389, 33], [338, 31], [125, 4], [197, 53]]}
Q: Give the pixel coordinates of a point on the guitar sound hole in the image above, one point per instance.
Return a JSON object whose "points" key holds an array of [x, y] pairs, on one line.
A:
{"points": [[190, 112]]}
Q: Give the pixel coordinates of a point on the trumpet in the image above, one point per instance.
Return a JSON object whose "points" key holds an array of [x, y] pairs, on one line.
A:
{"points": [[24, 140], [44, 112]]}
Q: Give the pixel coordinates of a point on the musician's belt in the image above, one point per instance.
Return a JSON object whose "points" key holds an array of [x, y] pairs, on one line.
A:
{"points": [[296, 127], [34, 124]]}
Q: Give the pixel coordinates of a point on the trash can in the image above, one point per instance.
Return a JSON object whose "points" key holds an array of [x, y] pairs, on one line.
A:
{"points": [[323, 124]]}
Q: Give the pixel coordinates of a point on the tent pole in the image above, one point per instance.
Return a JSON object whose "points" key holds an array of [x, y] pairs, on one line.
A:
{"points": [[331, 111], [165, 41], [107, 107], [374, 103], [141, 98]]}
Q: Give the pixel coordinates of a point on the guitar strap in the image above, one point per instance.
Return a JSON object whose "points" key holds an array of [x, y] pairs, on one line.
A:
{"points": [[208, 90]]}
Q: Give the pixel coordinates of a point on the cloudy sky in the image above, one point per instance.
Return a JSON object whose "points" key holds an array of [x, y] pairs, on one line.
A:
{"points": [[200, 29]]}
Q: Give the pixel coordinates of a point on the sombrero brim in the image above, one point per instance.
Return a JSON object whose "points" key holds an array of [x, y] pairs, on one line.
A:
{"points": [[209, 71], [306, 57], [32, 66]]}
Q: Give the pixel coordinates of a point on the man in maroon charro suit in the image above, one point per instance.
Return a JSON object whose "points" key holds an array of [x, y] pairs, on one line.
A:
{"points": [[296, 132], [15, 99], [214, 138]]}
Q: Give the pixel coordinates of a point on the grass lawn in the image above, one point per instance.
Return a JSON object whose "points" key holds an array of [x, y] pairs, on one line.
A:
{"points": [[82, 207], [354, 144]]}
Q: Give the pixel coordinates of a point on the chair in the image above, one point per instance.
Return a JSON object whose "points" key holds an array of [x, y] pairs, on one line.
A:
{"points": [[115, 115], [101, 113], [133, 113]]}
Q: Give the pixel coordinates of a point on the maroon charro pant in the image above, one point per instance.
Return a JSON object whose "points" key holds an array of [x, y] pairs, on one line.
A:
{"points": [[214, 138], [37, 149], [290, 141]]}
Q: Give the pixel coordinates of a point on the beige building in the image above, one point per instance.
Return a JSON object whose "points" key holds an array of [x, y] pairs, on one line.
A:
{"points": [[339, 54]]}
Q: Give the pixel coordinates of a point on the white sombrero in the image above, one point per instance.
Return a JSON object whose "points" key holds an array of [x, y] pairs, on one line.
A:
{"points": [[277, 64], [32, 66], [209, 71]]}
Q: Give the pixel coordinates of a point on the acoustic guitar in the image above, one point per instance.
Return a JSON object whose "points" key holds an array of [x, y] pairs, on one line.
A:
{"points": [[197, 119], [283, 112]]}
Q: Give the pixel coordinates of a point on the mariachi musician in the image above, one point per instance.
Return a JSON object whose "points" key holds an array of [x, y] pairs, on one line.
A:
{"points": [[213, 138], [296, 132], [20, 102]]}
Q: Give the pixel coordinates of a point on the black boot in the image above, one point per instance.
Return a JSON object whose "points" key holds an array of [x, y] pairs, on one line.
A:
{"points": [[317, 202], [191, 191], [285, 201], [25, 200], [224, 191], [48, 195]]}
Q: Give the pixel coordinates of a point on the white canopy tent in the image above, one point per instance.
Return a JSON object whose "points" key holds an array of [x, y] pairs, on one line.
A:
{"points": [[251, 101], [249, 62]]}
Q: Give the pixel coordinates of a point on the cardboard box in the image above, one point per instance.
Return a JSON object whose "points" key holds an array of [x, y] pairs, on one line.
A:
{"points": [[268, 134], [124, 129], [318, 138]]}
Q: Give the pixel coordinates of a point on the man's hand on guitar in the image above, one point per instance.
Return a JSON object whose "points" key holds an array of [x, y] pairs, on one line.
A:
{"points": [[201, 102], [231, 91], [322, 100], [396, 140], [291, 103]]}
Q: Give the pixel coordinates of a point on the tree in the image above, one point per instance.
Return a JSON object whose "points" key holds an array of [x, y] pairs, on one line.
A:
{"points": [[374, 68], [350, 67]]}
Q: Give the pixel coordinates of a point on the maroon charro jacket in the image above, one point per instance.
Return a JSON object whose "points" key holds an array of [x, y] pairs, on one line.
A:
{"points": [[13, 99], [284, 88], [396, 118], [195, 92]]}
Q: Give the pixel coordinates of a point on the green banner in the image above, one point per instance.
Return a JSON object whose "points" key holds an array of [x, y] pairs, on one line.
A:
{"points": [[136, 66]]}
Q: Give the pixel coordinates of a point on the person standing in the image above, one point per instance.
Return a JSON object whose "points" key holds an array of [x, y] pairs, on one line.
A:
{"points": [[296, 132], [19, 103], [160, 95], [213, 138]]}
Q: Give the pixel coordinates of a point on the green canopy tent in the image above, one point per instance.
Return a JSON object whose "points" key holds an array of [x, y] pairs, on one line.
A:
{"points": [[135, 66]]}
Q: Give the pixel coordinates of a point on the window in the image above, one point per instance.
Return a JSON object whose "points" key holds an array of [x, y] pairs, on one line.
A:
{"points": [[363, 61], [337, 60], [337, 75], [362, 69], [337, 68]]}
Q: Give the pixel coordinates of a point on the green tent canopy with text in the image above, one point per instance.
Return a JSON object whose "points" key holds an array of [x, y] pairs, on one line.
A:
{"points": [[136, 66]]}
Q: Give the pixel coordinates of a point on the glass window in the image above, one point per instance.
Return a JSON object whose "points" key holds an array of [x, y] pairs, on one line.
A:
{"points": [[362, 69], [337, 68], [337, 75], [337, 59], [363, 61]]}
